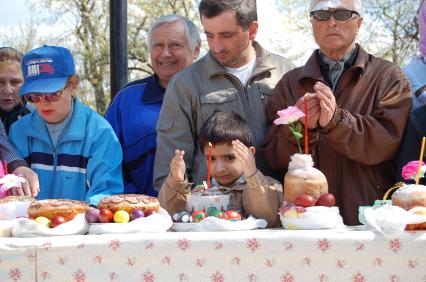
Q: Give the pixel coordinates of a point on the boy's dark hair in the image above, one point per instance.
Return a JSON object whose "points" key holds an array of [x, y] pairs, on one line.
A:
{"points": [[245, 10], [223, 128]]}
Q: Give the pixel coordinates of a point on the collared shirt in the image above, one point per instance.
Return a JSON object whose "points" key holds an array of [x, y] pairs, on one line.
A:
{"points": [[16, 113], [240, 181], [332, 70]]}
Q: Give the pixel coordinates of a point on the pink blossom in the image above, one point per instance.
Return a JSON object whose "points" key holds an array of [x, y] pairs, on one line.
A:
{"points": [[409, 171], [9, 181], [289, 115]]}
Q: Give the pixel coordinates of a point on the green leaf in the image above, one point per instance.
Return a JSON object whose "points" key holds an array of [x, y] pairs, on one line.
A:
{"points": [[297, 135], [298, 127]]}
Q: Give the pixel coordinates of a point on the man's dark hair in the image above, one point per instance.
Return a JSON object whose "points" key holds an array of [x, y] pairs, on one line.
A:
{"points": [[245, 10], [223, 128]]}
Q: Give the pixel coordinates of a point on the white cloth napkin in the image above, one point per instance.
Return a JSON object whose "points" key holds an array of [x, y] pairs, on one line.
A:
{"points": [[157, 222], [316, 217], [24, 227], [212, 223], [390, 220]]}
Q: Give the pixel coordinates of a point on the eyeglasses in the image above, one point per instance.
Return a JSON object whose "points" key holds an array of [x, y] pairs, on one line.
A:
{"points": [[338, 15], [48, 97]]}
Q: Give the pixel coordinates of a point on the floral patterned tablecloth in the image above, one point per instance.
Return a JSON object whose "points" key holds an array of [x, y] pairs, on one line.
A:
{"points": [[260, 255]]}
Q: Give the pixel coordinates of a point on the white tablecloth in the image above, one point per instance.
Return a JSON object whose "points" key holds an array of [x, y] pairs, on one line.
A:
{"points": [[260, 255]]}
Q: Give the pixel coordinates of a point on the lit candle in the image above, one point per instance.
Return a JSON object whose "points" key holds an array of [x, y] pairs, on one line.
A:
{"points": [[209, 160], [305, 105], [420, 160]]}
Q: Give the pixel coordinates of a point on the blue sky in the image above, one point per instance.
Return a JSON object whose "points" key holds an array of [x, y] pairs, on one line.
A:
{"points": [[13, 12]]}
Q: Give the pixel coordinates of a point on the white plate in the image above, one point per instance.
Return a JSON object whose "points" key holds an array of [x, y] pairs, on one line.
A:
{"points": [[157, 222], [25, 227], [212, 223]]}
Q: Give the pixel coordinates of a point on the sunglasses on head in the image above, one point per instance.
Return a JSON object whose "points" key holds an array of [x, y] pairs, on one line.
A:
{"points": [[338, 15], [48, 97]]}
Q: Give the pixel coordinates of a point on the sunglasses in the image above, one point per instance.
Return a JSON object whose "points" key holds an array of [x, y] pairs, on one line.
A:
{"points": [[338, 15], [48, 97]]}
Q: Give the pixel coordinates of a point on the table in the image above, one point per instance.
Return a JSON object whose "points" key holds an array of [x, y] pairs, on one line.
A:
{"points": [[258, 255]]}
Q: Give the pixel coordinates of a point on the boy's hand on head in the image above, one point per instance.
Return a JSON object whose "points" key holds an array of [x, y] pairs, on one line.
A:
{"points": [[177, 166], [246, 158]]}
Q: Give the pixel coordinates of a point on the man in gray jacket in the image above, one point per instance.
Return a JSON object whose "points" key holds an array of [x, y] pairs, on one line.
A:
{"points": [[236, 75]]}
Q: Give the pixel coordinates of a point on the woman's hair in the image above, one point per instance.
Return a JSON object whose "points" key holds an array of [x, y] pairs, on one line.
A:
{"points": [[223, 128], [10, 54]]}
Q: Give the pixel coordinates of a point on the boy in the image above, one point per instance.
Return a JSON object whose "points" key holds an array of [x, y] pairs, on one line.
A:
{"points": [[74, 150], [232, 166]]}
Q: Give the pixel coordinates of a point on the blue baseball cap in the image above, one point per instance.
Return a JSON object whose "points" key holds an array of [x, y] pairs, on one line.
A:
{"points": [[46, 69]]}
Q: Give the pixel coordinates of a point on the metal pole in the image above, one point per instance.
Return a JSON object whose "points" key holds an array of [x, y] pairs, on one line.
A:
{"points": [[118, 44]]}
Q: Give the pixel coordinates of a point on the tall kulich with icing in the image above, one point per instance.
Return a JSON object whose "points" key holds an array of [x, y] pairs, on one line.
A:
{"points": [[302, 178]]}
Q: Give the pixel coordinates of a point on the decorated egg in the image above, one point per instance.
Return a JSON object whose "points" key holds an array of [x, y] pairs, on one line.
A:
{"points": [[233, 215], [182, 216], [197, 216]]}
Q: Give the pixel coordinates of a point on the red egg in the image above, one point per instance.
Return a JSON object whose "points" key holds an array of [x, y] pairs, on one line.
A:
{"points": [[327, 200], [105, 215], [304, 200], [149, 212], [57, 220], [233, 215]]}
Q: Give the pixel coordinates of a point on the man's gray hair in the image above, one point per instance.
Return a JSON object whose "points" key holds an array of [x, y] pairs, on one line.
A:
{"points": [[192, 33]]}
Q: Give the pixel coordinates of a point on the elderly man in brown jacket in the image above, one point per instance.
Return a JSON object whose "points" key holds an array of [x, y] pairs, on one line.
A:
{"points": [[357, 110]]}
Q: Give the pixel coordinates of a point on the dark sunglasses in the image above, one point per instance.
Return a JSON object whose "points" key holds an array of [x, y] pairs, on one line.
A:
{"points": [[338, 15], [48, 97]]}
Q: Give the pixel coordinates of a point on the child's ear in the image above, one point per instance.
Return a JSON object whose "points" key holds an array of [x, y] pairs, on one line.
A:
{"points": [[253, 150]]}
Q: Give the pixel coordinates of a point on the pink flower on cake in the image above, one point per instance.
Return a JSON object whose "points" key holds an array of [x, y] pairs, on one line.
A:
{"points": [[409, 171], [9, 181], [291, 116]]}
